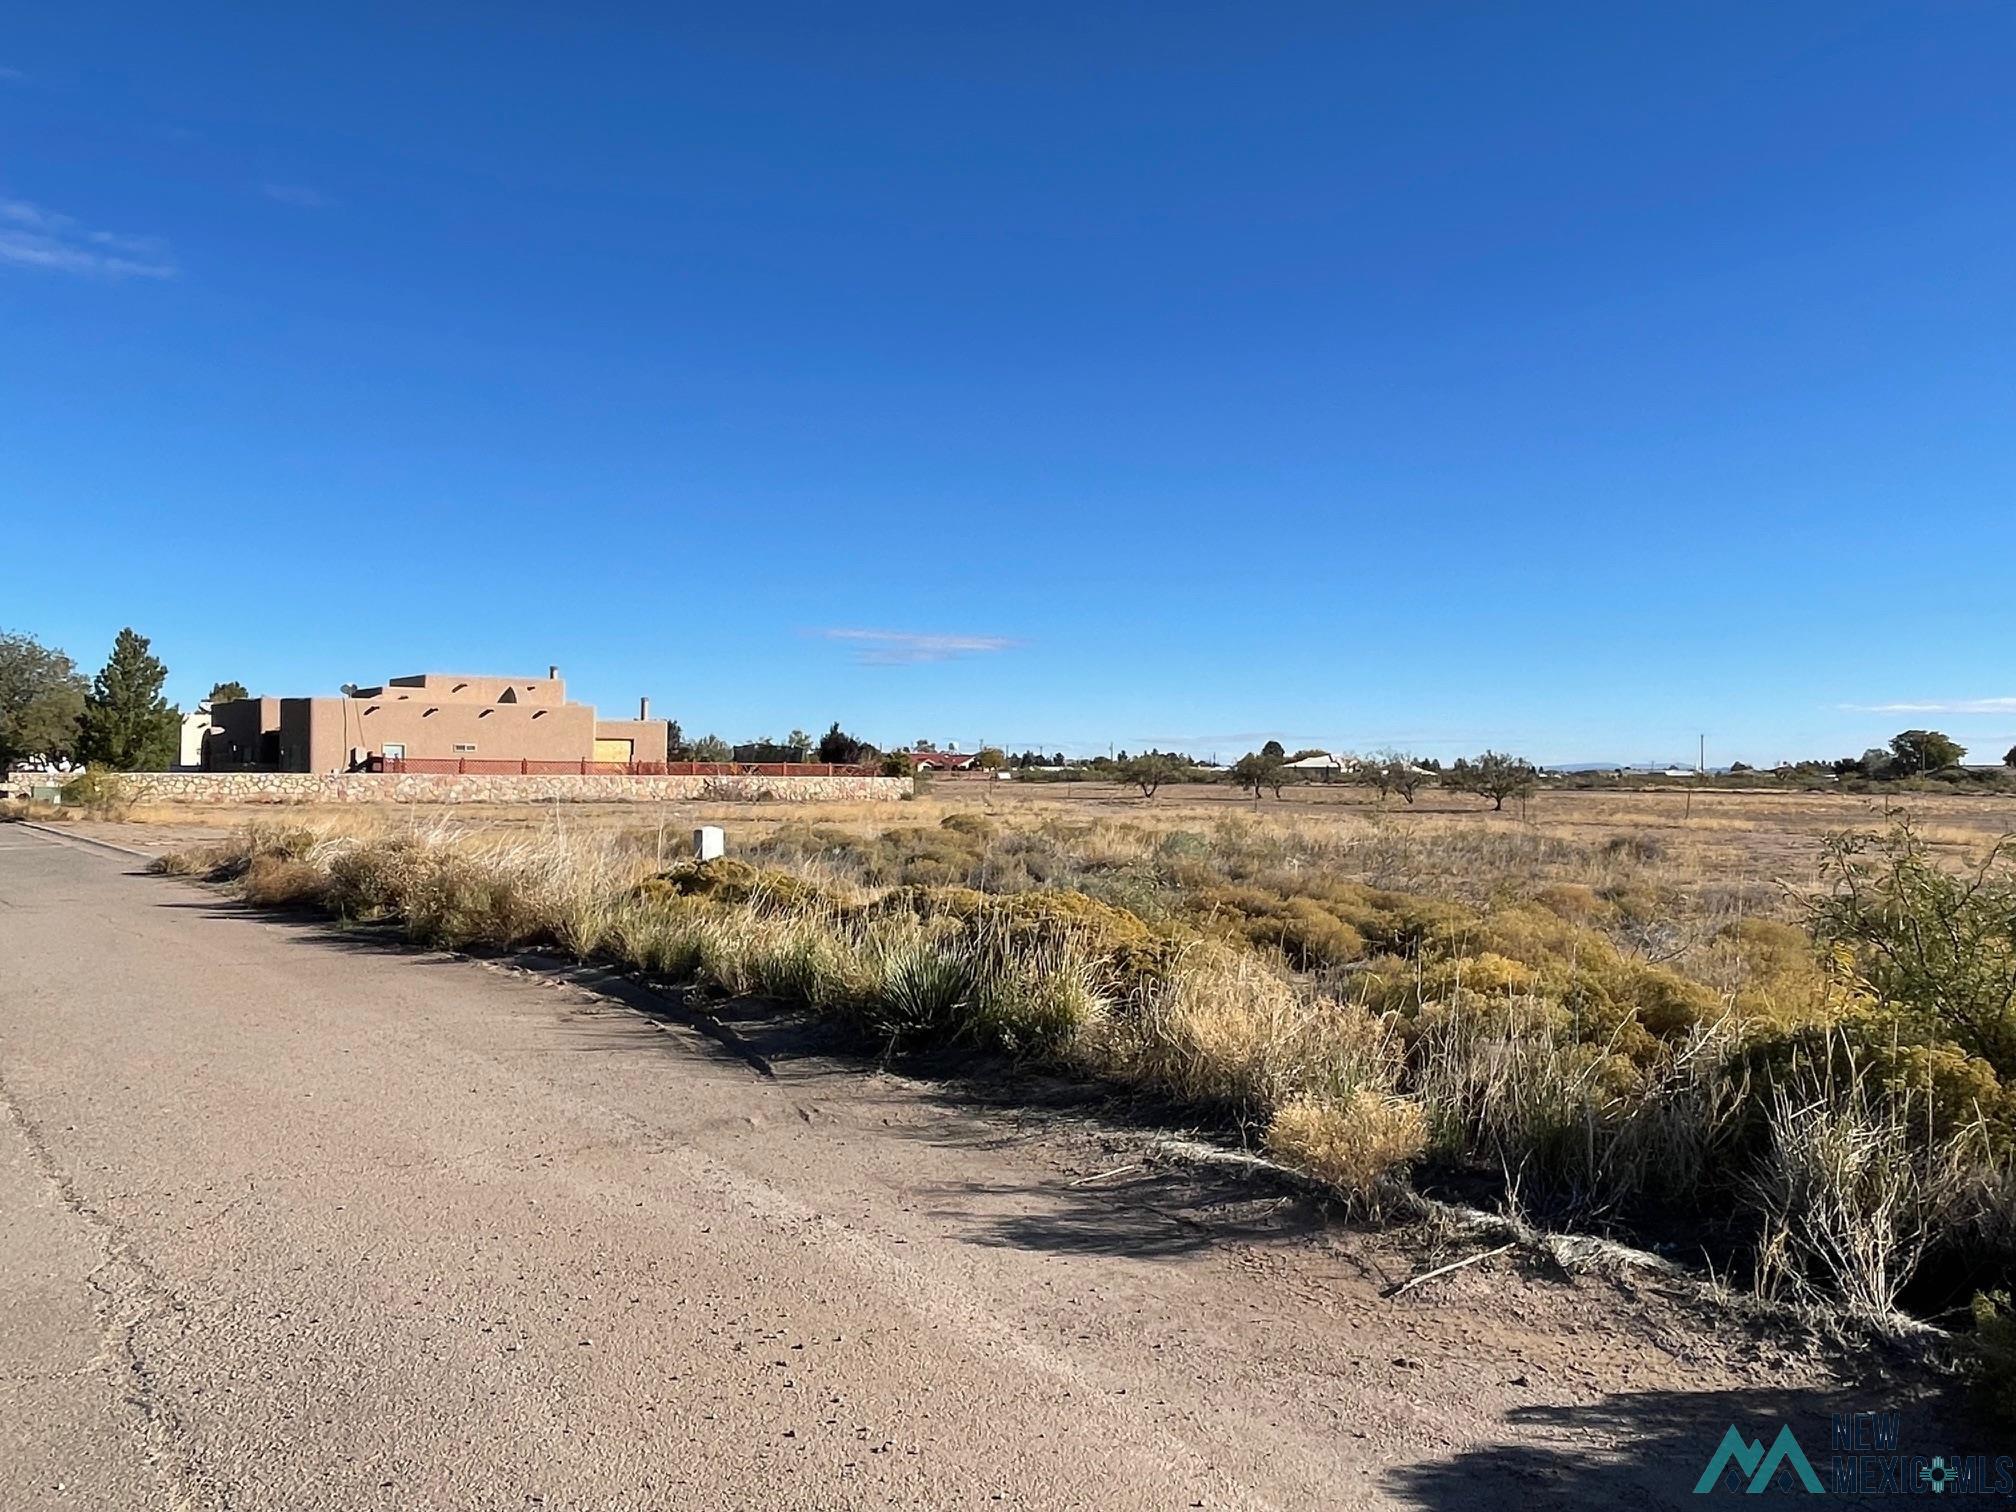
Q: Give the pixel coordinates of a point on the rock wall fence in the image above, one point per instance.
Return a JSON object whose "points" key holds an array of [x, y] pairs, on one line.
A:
{"points": [[377, 787]]}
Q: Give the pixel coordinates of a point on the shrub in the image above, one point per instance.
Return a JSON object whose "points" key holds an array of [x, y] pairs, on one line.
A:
{"points": [[281, 882], [1356, 1144], [727, 880], [1852, 1187], [374, 881], [98, 791], [1935, 949], [1993, 1356]]}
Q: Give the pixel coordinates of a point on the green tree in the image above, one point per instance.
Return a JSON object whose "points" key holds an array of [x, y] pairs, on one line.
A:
{"points": [[1149, 772], [2009, 757], [127, 724], [1275, 750], [712, 748], [41, 698], [840, 748], [800, 744], [898, 764], [224, 692], [1259, 770], [1493, 775], [1917, 751], [676, 748], [990, 759], [1394, 772]]}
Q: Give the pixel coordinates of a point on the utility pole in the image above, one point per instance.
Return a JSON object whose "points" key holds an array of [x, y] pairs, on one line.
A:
{"points": [[1701, 765]]}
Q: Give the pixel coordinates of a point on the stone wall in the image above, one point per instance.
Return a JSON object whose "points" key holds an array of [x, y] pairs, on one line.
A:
{"points": [[377, 787]]}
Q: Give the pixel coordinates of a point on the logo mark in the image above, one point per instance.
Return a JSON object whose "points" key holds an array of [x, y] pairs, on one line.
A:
{"points": [[1761, 1466]]}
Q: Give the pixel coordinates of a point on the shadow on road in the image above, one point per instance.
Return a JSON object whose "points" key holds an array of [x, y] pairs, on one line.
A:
{"points": [[1649, 1449], [1135, 1205], [1150, 1214]]}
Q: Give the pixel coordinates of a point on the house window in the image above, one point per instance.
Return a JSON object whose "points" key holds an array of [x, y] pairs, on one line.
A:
{"points": [[465, 748]]}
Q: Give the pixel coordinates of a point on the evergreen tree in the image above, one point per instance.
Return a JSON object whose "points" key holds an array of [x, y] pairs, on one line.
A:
{"points": [[127, 724], [225, 692]]}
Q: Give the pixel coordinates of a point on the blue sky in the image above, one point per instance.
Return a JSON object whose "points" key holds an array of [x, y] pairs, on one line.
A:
{"points": [[1568, 379]]}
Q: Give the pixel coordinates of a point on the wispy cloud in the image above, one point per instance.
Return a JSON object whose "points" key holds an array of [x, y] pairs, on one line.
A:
{"points": [[32, 237], [12, 76], [1940, 706], [300, 196], [903, 648]]}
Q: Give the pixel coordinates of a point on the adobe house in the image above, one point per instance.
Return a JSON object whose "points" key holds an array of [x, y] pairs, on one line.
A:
{"points": [[434, 716]]}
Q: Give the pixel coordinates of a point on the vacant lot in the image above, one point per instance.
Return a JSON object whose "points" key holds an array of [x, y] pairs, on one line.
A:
{"points": [[1609, 1010], [1702, 847]]}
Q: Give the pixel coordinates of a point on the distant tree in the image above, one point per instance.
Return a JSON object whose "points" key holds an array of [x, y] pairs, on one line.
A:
{"points": [[1275, 749], [1058, 760], [712, 748], [1738, 768], [1409, 779], [924, 745], [41, 697], [1149, 772], [1917, 751], [801, 743], [1257, 771], [676, 748], [898, 764], [840, 748], [1307, 751], [1395, 772], [225, 692], [1374, 773], [990, 759], [127, 724], [2009, 757], [1493, 775]]}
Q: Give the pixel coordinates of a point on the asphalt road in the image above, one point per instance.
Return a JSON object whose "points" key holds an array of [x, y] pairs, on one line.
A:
{"points": [[293, 1220]]}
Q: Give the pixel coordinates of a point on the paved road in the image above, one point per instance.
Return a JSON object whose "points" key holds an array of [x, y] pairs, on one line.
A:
{"points": [[300, 1222]]}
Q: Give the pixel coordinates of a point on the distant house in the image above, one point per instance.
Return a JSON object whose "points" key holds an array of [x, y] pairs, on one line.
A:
{"points": [[941, 761], [1322, 766], [428, 717], [195, 727]]}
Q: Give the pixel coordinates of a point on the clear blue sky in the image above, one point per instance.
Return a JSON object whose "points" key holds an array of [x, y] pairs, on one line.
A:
{"points": [[1569, 379]]}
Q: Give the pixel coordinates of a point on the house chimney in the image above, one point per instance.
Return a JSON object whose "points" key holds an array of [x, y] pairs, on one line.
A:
{"points": [[643, 708], [552, 674]]}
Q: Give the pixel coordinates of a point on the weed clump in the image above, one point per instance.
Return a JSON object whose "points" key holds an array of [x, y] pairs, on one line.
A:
{"points": [[1356, 1144]]}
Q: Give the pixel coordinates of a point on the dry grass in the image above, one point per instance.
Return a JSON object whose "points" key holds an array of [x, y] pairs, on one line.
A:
{"points": [[1621, 1021]]}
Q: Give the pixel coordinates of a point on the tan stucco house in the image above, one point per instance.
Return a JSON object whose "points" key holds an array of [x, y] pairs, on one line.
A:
{"points": [[431, 717]]}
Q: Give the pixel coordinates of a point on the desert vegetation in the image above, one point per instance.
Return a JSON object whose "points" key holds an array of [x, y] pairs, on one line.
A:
{"points": [[1804, 1087]]}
